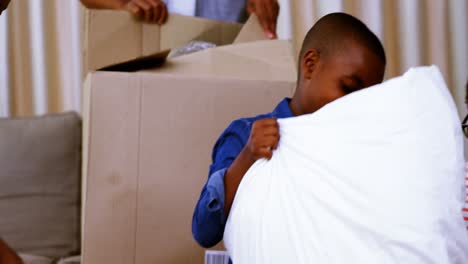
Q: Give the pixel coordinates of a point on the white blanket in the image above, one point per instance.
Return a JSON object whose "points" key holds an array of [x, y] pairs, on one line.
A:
{"points": [[374, 177]]}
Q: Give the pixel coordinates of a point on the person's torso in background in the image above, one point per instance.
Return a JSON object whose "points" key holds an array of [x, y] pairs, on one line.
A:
{"points": [[224, 10], [182, 7]]}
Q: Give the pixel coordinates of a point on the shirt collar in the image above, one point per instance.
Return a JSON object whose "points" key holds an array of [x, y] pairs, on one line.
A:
{"points": [[283, 110]]}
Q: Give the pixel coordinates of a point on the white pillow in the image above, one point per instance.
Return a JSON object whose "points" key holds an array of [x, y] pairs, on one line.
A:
{"points": [[375, 177]]}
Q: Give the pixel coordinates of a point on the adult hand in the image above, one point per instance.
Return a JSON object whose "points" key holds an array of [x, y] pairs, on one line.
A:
{"points": [[267, 12], [152, 11]]}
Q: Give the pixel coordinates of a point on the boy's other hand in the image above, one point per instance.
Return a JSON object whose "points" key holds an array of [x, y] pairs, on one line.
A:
{"points": [[151, 11], [267, 12], [264, 138]]}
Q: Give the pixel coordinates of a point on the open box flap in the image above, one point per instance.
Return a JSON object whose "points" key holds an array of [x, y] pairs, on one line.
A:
{"points": [[260, 60], [112, 37], [251, 31]]}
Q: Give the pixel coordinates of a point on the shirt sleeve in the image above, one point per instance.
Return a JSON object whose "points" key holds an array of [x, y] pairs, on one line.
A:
{"points": [[209, 220]]}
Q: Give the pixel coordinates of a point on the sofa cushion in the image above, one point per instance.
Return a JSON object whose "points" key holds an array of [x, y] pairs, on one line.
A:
{"points": [[40, 161]]}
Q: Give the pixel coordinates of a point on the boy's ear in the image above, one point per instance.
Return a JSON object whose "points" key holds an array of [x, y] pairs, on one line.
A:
{"points": [[309, 63]]}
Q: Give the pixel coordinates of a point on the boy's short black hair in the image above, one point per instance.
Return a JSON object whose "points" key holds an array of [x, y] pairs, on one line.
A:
{"points": [[331, 32]]}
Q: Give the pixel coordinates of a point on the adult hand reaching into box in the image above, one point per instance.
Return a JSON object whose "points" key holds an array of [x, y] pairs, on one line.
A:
{"points": [[267, 12], [151, 11]]}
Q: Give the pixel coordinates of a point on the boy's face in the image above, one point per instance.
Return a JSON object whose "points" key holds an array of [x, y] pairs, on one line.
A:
{"points": [[327, 79]]}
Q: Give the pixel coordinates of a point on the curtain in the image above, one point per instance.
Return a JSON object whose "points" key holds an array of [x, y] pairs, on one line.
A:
{"points": [[40, 52], [40, 57]]}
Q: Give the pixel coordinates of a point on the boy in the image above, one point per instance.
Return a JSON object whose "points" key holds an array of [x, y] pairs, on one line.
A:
{"points": [[339, 55]]}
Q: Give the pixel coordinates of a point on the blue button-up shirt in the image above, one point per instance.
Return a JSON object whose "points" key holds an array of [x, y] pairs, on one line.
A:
{"points": [[209, 218], [224, 10]]}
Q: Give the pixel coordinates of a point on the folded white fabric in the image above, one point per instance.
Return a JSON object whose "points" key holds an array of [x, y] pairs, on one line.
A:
{"points": [[374, 177]]}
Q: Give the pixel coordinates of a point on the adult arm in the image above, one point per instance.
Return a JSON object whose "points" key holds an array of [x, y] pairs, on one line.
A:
{"points": [[151, 11], [105, 4], [7, 255]]}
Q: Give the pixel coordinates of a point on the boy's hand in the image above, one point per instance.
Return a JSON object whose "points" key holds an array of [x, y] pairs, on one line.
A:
{"points": [[263, 139], [152, 11], [267, 12]]}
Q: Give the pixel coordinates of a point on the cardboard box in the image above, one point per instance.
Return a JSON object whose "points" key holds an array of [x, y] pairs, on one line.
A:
{"points": [[112, 37], [148, 137]]}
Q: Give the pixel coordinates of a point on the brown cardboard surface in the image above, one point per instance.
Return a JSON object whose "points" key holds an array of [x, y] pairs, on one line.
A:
{"points": [[150, 142], [251, 31], [110, 37], [149, 134], [113, 37], [260, 60], [179, 30], [112, 164]]}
